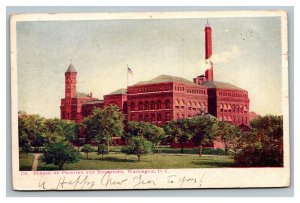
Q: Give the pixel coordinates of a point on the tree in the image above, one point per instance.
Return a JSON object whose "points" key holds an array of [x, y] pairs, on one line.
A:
{"points": [[87, 148], [61, 131], [59, 154], [32, 131], [228, 134], [149, 131], [103, 124], [138, 146], [102, 149], [263, 145], [201, 128], [179, 130]]}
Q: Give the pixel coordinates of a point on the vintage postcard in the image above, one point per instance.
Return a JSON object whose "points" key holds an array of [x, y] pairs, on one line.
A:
{"points": [[151, 100]]}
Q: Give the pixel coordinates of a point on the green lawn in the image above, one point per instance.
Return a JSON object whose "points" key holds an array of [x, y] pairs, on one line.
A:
{"points": [[118, 161], [170, 150], [26, 162]]}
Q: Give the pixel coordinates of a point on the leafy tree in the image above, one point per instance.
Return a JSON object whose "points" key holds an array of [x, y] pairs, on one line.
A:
{"points": [[103, 124], [263, 145], [179, 130], [61, 131], [149, 131], [32, 131], [87, 148], [201, 128], [59, 154], [102, 149], [138, 146], [228, 134]]}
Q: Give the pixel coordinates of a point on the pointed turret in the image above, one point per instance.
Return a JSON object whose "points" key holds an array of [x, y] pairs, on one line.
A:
{"points": [[71, 68]]}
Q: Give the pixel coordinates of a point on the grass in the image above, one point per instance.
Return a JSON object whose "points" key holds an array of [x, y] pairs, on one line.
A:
{"points": [[118, 161], [26, 162], [169, 150]]}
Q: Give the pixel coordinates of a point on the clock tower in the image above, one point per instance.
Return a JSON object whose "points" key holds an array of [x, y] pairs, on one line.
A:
{"points": [[70, 82]]}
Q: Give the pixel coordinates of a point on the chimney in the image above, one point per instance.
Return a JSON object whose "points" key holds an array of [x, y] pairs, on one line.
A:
{"points": [[209, 74], [208, 41]]}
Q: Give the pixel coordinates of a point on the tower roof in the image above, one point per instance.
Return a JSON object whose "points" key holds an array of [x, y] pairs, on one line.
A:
{"points": [[207, 25], [71, 68]]}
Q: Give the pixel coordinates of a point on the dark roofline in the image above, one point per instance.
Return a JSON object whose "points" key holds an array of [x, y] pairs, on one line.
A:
{"points": [[162, 79]]}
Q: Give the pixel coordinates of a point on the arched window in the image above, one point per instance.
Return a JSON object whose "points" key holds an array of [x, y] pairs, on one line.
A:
{"points": [[167, 104], [147, 117], [140, 105], [233, 108], [153, 117], [152, 105], [146, 105], [203, 106], [168, 117], [190, 105], [176, 103], [132, 106], [229, 108], [158, 104], [182, 104], [245, 109], [221, 108], [140, 117], [225, 107], [159, 117], [195, 106], [199, 106]]}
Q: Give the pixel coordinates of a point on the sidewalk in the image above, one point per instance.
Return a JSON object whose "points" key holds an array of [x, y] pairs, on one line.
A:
{"points": [[36, 161]]}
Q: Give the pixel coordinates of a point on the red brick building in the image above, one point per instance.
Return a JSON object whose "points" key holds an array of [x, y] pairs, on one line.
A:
{"points": [[165, 97]]}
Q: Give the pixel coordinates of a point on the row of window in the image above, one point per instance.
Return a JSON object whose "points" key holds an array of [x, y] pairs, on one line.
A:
{"points": [[202, 109], [233, 108], [196, 91], [150, 89], [191, 104], [152, 105], [179, 116], [190, 90], [232, 94], [153, 117], [234, 119]]}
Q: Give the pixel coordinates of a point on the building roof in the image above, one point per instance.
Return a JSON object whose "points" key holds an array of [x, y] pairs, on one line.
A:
{"points": [[71, 68], [80, 95], [119, 91], [94, 102], [221, 85], [166, 78]]}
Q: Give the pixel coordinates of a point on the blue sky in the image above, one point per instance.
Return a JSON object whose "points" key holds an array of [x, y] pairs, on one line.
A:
{"points": [[246, 53]]}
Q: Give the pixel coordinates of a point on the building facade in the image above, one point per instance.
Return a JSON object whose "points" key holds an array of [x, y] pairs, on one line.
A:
{"points": [[164, 98]]}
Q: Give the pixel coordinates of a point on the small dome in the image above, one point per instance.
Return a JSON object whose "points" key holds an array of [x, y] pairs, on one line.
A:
{"points": [[71, 68]]}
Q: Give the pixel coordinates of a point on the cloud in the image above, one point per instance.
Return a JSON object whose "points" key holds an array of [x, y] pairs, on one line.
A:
{"points": [[226, 56]]}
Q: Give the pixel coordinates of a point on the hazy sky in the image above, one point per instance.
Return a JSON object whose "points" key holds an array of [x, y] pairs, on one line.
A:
{"points": [[246, 53]]}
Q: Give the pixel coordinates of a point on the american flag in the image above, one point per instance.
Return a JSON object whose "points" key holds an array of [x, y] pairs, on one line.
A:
{"points": [[129, 70]]}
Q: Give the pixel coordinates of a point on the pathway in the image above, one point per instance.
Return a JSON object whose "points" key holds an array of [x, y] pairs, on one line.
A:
{"points": [[36, 161]]}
